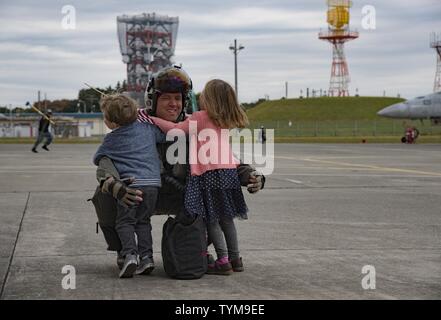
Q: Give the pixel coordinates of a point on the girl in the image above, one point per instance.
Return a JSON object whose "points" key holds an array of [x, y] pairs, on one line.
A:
{"points": [[213, 189]]}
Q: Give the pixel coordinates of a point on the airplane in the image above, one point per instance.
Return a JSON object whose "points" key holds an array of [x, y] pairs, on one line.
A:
{"points": [[420, 108]]}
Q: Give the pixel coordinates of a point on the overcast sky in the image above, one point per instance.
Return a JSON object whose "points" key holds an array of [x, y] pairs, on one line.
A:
{"points": [[280, 39]]}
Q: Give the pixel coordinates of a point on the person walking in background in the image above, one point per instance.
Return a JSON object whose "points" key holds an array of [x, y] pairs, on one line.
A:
{"points": [[44, 132], [262, 134]]}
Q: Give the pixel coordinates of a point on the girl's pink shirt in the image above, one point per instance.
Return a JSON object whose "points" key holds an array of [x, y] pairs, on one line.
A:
{"points": [[216, 140]]}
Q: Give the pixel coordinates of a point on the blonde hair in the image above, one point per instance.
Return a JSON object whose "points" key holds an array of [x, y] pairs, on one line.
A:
{"points": [[219, 100], [119, 109]]}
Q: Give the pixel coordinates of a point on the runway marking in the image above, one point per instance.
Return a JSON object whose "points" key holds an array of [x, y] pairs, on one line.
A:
{"points": [[376, 167], [327, 168], [365, 166], [11, 258], [350, 175], [294, 181]]}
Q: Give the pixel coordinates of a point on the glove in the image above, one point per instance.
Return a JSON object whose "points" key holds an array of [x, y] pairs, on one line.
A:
{"points": [[119, 190], [255, 182]]}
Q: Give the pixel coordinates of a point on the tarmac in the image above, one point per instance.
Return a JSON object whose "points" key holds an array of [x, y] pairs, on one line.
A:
{"points": [[327, 212]]}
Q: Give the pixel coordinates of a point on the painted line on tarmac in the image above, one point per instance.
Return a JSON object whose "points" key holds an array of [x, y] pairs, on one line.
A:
{"points": [[365, 166], [350, 175], [294, 181], [348, 157], [327, 168], [376, 167], [11, 258]]}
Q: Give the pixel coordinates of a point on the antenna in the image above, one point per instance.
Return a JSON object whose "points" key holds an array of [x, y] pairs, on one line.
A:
{"points": [[435, 42], [337, 34]]}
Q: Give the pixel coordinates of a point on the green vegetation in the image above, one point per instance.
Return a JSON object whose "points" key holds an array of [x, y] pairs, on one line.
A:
{"points": [[319, 120], [340, 118], [278, 139], [88, 101], [320, 109], [361, 139]]}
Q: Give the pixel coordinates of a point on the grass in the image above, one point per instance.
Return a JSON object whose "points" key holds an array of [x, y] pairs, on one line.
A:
{"points": [[336, 119], [319, 120], [278, 139], [320, 109], [349, 139]]}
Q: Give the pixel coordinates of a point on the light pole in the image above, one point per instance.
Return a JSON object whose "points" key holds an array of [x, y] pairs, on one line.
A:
{"points": [[10, 119], [236, 50]]}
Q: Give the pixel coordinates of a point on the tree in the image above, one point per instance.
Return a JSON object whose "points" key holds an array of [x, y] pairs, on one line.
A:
{"points": [[250, 105], [91, 97]]}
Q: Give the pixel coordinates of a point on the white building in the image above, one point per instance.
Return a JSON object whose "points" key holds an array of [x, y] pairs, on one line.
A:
{"points": [[67, 125]]}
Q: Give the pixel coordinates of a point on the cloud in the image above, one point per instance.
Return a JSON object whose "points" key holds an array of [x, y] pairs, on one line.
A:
{"points": [[280, 39]]}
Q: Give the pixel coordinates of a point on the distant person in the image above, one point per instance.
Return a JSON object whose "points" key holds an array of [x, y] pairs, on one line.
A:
{"points": [[262, 134], [213, 190], [410, 135], [132, 148], [44, 132]]}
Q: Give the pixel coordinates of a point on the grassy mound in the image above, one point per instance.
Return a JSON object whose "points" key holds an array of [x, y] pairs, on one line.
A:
{"points": [[320, 109]]}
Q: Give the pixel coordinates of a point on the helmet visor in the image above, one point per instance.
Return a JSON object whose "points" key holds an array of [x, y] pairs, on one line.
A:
{"points": [[172, 80]]}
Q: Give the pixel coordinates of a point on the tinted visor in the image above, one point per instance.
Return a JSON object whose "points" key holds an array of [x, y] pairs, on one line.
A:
{"points": [[172, 80]]}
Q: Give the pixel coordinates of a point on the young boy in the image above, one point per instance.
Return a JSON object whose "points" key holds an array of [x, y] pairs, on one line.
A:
{"points": [[132, 147]]}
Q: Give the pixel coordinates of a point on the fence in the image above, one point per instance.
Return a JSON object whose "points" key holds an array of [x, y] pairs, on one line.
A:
{"points": [[346, 128]]}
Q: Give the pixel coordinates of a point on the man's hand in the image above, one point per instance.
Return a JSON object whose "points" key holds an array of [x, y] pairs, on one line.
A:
{"points": [[255, 182], [120, 191]]}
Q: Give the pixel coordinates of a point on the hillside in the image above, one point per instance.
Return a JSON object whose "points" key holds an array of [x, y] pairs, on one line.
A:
{"points": [[320, 109]]}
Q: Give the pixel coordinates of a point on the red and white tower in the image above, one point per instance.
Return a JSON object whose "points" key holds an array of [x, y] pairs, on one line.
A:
{"points": [[147, 43], [435, 42], [337, 34]]}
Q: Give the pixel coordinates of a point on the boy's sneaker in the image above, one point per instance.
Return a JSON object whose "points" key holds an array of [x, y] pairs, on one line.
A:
{"points": [[224, 269], [120, 261], [34, 150], [237, 264], [146, 266], [129, 267], [45, 148]]}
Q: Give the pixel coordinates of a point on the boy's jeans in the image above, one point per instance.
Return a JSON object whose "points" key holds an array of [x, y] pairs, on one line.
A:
{"points": [[136, 219]]}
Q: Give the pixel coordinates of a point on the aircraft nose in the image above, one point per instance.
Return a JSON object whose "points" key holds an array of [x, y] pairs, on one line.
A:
{"points": [[399, 110]]}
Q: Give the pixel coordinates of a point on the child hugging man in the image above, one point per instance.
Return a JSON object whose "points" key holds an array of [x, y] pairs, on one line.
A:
{"points": [[132, 147]]}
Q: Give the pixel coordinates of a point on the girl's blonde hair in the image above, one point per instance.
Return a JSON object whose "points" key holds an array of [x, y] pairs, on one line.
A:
{"points": [[219, 100]]}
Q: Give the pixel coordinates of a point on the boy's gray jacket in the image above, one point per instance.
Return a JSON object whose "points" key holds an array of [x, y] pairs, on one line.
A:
{"points": [[132, 149]]}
